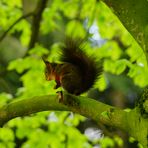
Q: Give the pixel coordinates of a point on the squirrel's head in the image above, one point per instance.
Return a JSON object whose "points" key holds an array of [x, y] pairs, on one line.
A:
{"points": [[50, 73]]}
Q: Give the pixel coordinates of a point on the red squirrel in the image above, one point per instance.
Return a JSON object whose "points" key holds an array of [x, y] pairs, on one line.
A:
{"points": [[77, 72]]}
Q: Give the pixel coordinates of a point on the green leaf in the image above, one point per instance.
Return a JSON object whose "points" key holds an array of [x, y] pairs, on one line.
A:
{"points": [[19, 65], [107, 142], [6, 134], [71, 29], [120, 66], [4, 98], [101, 83], [38, 50]]}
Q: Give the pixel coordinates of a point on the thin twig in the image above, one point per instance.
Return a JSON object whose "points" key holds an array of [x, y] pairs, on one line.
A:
{"points": [[17, 21]]}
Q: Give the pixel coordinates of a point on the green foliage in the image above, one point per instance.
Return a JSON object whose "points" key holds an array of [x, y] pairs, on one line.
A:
{"points": [[24, 27], [9, 11], [101, 83], [52, 129], [6, 138], [112, 143], [59, 129], [34, 66], [4, 98]]}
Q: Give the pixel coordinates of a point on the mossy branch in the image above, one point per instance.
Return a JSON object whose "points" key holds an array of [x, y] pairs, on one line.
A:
{"points": [[131, 122]]}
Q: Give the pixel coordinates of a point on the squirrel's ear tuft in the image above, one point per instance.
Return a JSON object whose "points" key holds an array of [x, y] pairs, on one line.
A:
{"points": [[47, 63]]}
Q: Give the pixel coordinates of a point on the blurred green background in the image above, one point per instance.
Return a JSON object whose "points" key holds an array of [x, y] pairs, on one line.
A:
{"points": [[22, 72]]}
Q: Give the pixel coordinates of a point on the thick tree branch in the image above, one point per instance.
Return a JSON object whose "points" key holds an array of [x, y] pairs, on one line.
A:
{"points": [[36, 22], [133, 15], [131, 122], [17, 21]]}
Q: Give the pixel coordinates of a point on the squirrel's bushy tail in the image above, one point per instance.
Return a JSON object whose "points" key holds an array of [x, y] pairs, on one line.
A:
{"points": [[89, 68]]}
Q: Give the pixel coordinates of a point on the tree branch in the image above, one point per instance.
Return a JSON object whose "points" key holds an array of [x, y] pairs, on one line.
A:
{"points": [[36, 22], [17, 21], [131, 122]]}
